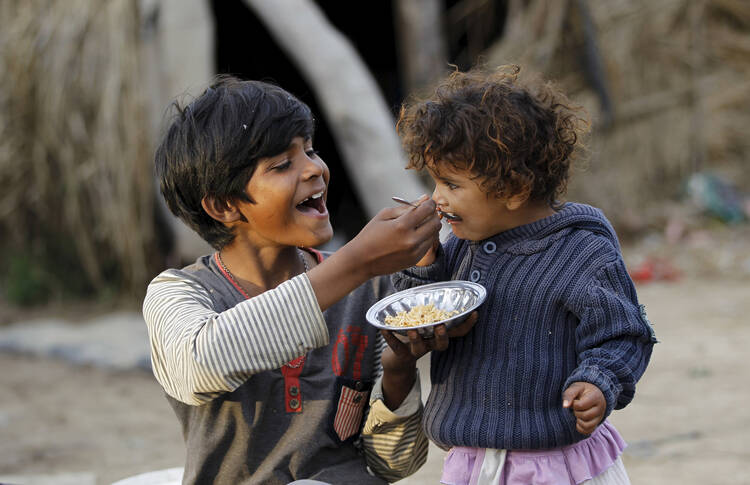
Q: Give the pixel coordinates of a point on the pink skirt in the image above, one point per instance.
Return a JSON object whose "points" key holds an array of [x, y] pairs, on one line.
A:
{"points": [[572, 464]]}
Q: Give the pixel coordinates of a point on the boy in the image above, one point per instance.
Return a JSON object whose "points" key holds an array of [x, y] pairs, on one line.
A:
{"points": [[266, 361]]}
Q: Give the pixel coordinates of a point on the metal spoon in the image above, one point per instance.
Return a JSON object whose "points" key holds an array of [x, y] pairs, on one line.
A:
{"points": [[403, 201], [444, 214]]}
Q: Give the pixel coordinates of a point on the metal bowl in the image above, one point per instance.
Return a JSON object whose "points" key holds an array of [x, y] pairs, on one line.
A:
{"points": [[463, 296]]}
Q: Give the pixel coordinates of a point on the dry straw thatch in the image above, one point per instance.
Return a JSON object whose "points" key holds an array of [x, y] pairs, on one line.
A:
{"points": [[75, 158], [667, 85]]}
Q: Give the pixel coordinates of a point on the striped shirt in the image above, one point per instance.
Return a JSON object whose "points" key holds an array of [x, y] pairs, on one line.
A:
{"points": [[221, 360]]}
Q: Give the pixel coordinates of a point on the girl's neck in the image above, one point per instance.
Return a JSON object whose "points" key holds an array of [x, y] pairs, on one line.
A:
{"points": [[532, 212], [526, 214], [261, 269]]}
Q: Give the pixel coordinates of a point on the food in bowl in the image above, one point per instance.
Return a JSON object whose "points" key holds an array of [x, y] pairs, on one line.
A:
{"points": [[458, 298], [419, 315]]}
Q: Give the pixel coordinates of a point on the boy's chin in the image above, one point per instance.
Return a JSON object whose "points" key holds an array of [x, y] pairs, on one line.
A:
{"points": [[320, 237]]}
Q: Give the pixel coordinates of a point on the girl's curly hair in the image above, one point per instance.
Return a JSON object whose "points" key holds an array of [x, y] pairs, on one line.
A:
{"points": [[518, 137]]}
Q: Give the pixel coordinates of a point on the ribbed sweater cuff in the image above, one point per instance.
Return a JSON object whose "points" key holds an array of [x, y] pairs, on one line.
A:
{"points": [[596, 376], [420, 275]]}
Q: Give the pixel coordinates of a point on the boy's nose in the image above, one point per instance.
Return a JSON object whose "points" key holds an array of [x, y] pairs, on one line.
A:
{"points": [[314, 167]]}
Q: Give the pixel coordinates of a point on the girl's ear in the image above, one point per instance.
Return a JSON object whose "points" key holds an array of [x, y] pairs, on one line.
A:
{"points": [[517, 201], [222, 210]]}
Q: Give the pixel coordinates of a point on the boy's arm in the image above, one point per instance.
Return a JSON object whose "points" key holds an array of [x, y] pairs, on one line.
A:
{"points": [[393, 441], [614, 337], [394, 239], [395, 445], [198, 353]]}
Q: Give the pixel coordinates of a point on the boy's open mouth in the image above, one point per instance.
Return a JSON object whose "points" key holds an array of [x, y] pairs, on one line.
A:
{"points": [[313, 203]]}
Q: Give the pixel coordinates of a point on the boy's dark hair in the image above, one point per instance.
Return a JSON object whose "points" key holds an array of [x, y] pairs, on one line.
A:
{"points": [[517, 137], [213, 144]]}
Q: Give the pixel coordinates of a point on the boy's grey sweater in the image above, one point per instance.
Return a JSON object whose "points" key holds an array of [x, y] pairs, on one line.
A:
{"points": [[560, 308], [246, 437]]}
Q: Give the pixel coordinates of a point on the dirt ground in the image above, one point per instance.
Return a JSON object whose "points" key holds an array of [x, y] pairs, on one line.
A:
{"points": [[689, 423]]}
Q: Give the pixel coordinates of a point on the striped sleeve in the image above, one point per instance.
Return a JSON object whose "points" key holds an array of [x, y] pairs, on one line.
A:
{"points": [[198, 354], [393, 442]]}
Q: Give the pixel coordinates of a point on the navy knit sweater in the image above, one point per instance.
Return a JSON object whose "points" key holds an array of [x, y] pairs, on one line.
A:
{"points": [[560, 308]]}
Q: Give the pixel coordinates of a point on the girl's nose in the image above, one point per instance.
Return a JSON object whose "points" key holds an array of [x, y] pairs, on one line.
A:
{"points": [[437, 197]]}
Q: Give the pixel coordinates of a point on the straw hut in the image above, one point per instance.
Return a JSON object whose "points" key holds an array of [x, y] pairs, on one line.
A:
{"points": [[665, 83], [77, 205], [86, 84]]}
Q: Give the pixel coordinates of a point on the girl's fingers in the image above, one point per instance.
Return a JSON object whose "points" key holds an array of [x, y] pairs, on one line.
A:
{"points": [[439, 341], [399, 348], [588, 414], [416, 344], [585, 401], [586, 426], [392, 341], [464, 327], [420, 345]]}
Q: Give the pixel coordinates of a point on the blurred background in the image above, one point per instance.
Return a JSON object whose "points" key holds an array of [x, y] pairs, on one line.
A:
{"points": [[85, 89]]}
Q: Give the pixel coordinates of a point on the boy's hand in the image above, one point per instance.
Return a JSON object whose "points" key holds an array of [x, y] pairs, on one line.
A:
{"points": [[397, 237], [399, 359], [588, 405], [394, 239]]}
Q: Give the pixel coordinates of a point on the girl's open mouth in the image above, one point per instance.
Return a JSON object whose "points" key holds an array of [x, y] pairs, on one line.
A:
{"points": [[449, 216], [313, 205]]}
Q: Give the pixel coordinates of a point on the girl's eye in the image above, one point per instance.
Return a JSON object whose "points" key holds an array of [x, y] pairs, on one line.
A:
{"points": [[312, 153], [451, 186], [283, 166]]}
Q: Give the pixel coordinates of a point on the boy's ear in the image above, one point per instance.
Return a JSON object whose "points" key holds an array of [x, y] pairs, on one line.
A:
{"points": [[222, 210]]}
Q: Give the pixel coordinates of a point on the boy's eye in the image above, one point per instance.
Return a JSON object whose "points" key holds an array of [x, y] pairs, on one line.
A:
{"points": [[451, 186], [283, 165], [312, 153]]}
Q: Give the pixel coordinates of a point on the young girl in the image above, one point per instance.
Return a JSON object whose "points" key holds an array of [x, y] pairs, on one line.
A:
{"points": [[262, 347], [561, 340]]}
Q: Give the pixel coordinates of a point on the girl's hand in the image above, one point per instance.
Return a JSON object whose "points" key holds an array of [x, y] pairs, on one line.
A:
{"points": [[431, 254], [418, 346], [588, 405], [399, 360]]}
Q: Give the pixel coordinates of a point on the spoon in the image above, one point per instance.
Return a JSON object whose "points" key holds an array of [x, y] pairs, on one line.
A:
{"points": [[406, 202], [403, 201]]}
